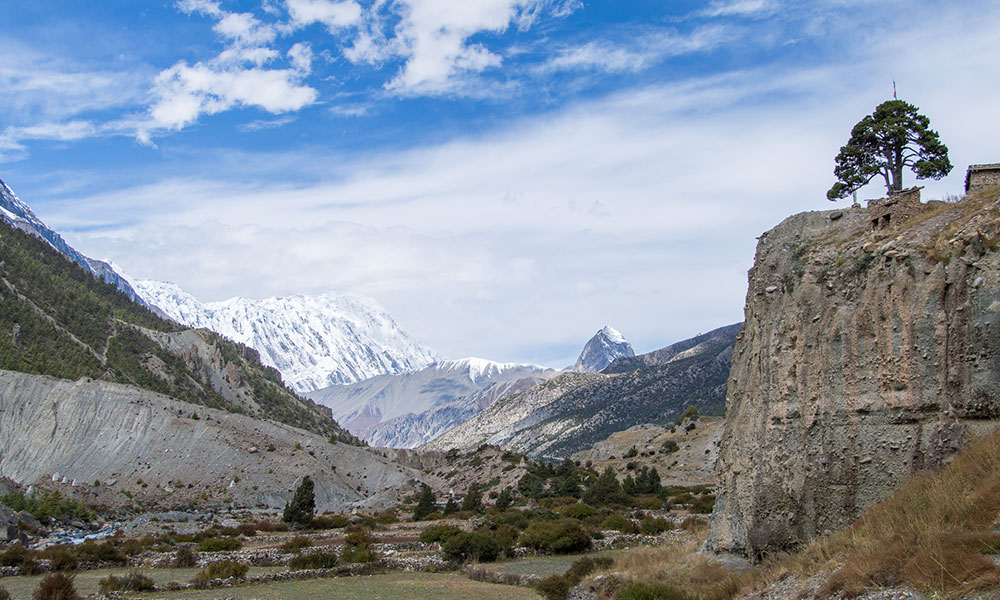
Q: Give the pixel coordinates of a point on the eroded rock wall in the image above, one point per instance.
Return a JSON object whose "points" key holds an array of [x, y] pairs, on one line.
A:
{"points": [[865, 356]]}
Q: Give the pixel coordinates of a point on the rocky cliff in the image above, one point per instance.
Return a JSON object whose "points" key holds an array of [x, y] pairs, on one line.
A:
{"points": [[866, 355], [123, 447]]}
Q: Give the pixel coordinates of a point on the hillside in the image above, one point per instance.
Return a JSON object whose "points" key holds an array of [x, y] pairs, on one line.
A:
{"points": [[125, 448], [573, 411], [407, 409], [866, 355], [58, 319]]}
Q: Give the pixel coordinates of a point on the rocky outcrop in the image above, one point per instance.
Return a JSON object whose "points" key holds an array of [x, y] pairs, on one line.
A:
{"points": [[118, 445], [865, 356], [601, 350]]}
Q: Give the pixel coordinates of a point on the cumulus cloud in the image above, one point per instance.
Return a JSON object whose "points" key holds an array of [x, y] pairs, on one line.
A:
{"points": [[335, 15]]}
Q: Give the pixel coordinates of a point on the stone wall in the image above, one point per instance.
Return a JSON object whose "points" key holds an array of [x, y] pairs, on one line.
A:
{"points": [[886, 213], [980, 177]]}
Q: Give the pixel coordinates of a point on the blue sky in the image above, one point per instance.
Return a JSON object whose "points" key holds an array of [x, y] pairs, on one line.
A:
{"points": [[505, 176]]}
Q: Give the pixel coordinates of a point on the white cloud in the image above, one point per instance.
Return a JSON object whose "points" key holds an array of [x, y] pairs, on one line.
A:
{"points": [[744, 8], [335, 15], [432, 36], [642, 52], [244, 28], [262, 124]]}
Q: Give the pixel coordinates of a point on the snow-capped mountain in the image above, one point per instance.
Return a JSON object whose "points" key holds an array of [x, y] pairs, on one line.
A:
{"points": [[406, 410], [20, 215], [314, 341], [602, 349]]}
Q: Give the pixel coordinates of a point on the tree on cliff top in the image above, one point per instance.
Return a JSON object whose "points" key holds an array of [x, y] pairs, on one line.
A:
{"points": [[882, 143]]}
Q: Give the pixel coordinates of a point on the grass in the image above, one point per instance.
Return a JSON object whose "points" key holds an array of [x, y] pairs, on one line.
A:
{"points": [[934, 534], [544, 566], [88, 582], [390, 586]]}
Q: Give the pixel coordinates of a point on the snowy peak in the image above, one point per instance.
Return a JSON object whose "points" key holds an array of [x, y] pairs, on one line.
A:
{"points": [[602, 349], [480, 369], [20, 215], [314, 341]]}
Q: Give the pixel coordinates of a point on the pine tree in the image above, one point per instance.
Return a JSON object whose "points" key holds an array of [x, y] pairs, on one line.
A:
{"points": [[882, 143], [426, 503], [504, 499], [473, 500], [302, 508], [451, 507]]}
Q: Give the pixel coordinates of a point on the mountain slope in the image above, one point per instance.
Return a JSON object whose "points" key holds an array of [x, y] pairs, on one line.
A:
{"points": [[57, 319], [402, 410], [573, 411], [314, 341], [17, 213], [606, 346], [151, 451]]}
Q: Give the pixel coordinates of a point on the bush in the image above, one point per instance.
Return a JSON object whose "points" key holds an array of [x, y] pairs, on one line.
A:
{"points": [[358, 555], [103, 552], [222, 570], [314, 560], [133, 581], [554, 587], [186, 557], [655, 526], [15, 556], [358, 537], [650, 591], [477, 546], [329, 522], [296, 544], [61, 559], [580, 510], [561, 537], [619, 522], [219, 545], [4, 594], [438, 533], [56, 586]]}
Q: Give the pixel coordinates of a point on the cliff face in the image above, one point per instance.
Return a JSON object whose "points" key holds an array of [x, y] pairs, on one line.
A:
{"points": [[865, 356]]}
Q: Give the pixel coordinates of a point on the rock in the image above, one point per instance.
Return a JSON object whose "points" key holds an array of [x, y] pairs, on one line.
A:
{"points": [[771, 289], [836, 215], [897, 376]]}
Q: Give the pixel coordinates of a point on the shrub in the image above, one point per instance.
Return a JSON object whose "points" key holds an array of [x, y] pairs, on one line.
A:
{"points": [[655, 526], [61, 559], [650, 591], [329, 522], [313, 560], [387, 517], [186, 557], [14, 556], [580, 510], [56, 586], [619, 522], [133, 581], [224, 569], [477, 546], [103, 552], [219, 545], [296, 544], [4, 594], [358, 537], [438, 533], [359, 555], [562, 537], [554, 587]]}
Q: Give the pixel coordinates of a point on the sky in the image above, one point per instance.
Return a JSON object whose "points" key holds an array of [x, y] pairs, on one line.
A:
{"points": [[504, 176]]}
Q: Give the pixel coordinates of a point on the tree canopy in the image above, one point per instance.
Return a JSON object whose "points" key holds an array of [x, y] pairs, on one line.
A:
{"points": [[896, 135]]}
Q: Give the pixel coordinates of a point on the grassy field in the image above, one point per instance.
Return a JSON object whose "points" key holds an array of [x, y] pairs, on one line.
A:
{"points": [[390, 586], [21, 588], [544, 566]]}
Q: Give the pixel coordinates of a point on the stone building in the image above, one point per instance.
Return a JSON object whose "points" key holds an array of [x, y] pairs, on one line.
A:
{"points": [[981, 176], [887, 212]]}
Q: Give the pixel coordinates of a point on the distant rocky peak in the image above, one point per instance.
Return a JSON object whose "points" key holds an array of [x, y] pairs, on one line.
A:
{"points": [[606, 345]]}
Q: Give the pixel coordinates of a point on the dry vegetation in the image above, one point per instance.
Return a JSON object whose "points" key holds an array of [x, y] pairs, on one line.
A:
{"points": [[935, 534]]}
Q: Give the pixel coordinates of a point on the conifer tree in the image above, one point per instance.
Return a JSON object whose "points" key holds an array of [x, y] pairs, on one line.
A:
{"points": [[426, 503], [301, 510]]}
